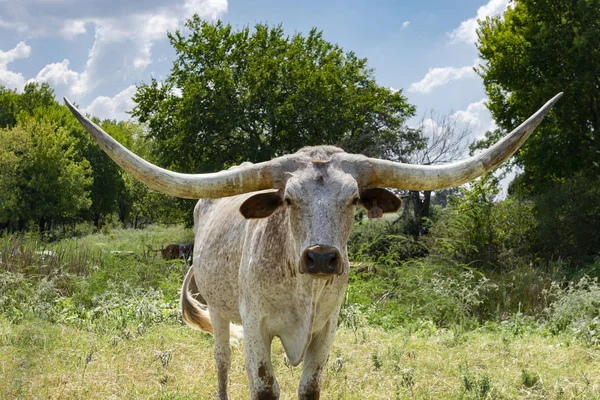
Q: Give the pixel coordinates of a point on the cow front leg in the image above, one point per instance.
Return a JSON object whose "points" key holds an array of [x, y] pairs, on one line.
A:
{"points": [[257, 354], [315, 360], [222, 352]]}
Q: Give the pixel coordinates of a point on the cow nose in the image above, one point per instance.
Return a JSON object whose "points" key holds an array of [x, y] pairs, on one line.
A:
{"points": [[321, 260]]}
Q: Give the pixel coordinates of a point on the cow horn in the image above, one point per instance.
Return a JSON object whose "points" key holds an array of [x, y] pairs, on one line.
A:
{"points": [[432, 177], [231, 182]]}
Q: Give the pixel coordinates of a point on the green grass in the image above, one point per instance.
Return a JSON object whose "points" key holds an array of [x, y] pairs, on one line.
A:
{"points": [[92, 323], [171, 361]]}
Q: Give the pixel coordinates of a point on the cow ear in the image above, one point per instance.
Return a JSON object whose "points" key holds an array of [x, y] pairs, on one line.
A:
{"points": [[378, 201], [261, 205]]}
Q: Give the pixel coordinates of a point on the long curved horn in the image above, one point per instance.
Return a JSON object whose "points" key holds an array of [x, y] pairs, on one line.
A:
{"points": [[191, 186], [432, 177]]}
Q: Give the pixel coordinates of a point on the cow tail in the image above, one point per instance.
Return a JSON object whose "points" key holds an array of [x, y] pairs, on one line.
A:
{"points": [[195, 313]]}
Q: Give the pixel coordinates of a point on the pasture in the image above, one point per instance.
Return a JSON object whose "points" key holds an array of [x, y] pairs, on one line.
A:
{"points": [[95, 321]]}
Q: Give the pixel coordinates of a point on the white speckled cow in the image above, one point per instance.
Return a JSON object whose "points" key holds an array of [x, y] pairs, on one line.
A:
{"points": [[273, 256]]}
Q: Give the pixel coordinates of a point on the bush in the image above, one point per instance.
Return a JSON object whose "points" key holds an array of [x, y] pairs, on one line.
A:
{"points": [[419, 290], [384, 241], [577, 307], [569, 220], [87, 282], [481, 232]]}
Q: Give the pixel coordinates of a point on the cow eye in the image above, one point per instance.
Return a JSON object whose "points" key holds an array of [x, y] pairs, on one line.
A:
{"points": [[288, 201], [355, 201]]}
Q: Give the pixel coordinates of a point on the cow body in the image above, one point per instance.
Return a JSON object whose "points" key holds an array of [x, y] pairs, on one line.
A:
{"points": [[252, 264], [247, 271]]}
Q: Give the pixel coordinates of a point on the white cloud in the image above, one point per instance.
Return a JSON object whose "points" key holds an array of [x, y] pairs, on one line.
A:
{"points": [[440, 76], [21, 50], [73, 28], [124, 33], [405, 24], [477, 117], [59, 74], [467, 30], [115, 107], [10, 79]]}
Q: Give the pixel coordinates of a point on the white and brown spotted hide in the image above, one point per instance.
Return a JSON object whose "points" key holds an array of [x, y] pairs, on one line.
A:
{"points": [[248, 267]]}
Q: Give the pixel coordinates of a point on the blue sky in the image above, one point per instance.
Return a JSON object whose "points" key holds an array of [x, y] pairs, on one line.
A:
{"points": [[95, 52]]}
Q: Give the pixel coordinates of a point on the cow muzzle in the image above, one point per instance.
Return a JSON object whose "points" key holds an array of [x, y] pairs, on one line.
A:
{"points": [[321, 261]]}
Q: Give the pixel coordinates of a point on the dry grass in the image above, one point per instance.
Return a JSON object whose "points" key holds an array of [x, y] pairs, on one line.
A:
{"points": [[40, 360]]}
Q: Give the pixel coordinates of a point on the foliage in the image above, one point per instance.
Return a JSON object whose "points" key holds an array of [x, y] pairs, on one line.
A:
{"points": [[96, 283], [477, 230], [55, 174], [577, 307], [569, 217], [535, 50], [417, 292], [235, 96], [384, 241], [47, 178]]}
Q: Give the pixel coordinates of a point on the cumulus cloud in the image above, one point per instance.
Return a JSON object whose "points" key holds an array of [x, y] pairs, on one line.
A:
{"points": [[467, 30], [440, 76], [115, 107], [475, 121], [59, 74], [21, 50], [405, 24], [124, 32], [73, 28], [10, 79], [477, 117]]}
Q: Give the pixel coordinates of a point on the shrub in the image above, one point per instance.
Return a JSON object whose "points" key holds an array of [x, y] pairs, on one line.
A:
{"points": [[577, 307], [484, 233], [416, 291], [383, 241]]}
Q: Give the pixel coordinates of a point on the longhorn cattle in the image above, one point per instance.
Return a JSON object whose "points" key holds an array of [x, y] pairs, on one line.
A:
{"points": [[174, 251], [270, 243]]}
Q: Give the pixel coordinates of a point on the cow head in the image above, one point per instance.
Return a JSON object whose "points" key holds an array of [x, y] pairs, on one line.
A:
{"points": [[318, 186], [319, 197]]}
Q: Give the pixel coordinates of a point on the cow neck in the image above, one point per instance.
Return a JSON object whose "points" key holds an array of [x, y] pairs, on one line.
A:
{"points": [[315, 292]]}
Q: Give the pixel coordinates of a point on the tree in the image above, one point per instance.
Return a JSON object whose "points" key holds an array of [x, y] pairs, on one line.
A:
{"points": [[440, 143], [9, 100], [108, 178], [48, 180], [14, 144], [537, 49], [13, 104], [235, 96]]}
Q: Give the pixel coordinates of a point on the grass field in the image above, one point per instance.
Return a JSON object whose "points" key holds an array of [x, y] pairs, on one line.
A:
{"points": [[171, 361], [92, 323]]}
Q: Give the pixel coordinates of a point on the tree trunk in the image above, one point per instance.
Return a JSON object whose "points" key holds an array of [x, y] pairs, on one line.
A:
{"points": [[421, 208]]}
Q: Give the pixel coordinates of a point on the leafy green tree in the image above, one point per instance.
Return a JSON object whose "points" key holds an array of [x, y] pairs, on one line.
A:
{"points": [[235, 96], [106, 176], [13, 104], [49, 179], [9, 100], [14, 145], [535, 50]]}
